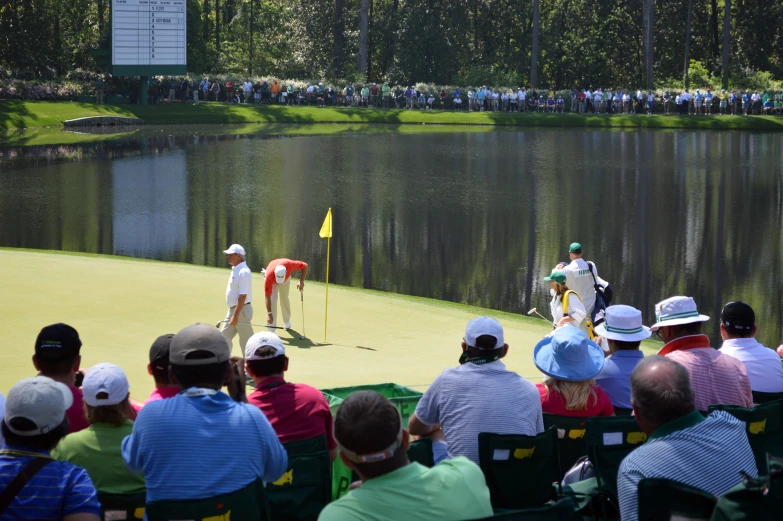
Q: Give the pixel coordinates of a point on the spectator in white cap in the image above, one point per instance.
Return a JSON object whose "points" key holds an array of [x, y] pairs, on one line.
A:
{"points": [[716, 378], [239, 296], [480, 395], [623, 330], [34, 423], [296, 411], [277, 283], [98, 448]]}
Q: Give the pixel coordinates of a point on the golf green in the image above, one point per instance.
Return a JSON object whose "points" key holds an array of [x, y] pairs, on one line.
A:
{"points": [[120, 305]]}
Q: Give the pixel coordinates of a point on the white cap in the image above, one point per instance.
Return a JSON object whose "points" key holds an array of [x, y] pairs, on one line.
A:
{"points": [[484, 326], [676, 311], [263, 339], [105, 378], [623, 323], [40, 400], [280, 273], [235, 248]]}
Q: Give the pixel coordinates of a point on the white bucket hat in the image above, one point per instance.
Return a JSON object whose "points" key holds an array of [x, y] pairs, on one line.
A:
{"points": [[676, 311], [623, 323]]}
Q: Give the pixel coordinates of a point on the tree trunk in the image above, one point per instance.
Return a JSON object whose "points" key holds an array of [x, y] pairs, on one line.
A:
{"points": [[714, 28], [363, 29], [250, 50], [534, 47], [369, 41], [649, 40], [726, 43], [217, 31], [101, 9], [339, 39], [688, 41], [205, 17]]}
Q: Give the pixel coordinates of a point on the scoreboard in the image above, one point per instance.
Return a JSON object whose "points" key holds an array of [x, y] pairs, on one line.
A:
{"points": [[149, 37]]}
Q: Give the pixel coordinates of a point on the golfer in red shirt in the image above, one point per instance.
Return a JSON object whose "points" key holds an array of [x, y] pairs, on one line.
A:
{"points": [[277, 279], [296, 411]]}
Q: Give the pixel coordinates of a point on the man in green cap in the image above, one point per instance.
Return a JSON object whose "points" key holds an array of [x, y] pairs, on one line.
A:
{"points": [[582, 276]]}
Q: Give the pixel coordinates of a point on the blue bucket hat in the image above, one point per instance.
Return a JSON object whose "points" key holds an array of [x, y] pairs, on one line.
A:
{"points": [[568, 355]]}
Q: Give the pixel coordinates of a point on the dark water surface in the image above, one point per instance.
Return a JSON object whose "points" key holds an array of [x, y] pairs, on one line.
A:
{"points": [[473, 217]]}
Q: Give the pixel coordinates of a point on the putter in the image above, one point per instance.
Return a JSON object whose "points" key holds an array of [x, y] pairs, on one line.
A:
{"points": [[249, 324], [301, 297], [534, 310]]}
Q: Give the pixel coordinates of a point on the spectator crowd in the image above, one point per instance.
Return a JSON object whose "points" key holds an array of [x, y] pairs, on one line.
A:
{"points": [[74, 437]]}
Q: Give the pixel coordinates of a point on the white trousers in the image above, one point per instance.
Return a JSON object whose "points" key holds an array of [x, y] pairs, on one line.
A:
{"points": [[280, 292], [244, 328]]}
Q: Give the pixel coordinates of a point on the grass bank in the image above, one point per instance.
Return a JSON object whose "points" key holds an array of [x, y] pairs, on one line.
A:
{"points": [[27, 114], [120, 305]]}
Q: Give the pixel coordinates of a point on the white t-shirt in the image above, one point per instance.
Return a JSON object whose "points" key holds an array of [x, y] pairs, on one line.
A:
{"points": [[754, 97], [522, 95], [651, 97], [626, 97], [597, 96], [762, 363], [248, 86], [576, 310], [495, 95], [239, 283], [512, 96]]}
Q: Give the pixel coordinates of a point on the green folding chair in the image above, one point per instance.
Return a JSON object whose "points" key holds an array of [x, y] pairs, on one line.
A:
{"points": [[519, 470], [759, 397], [759, 499], [420, 451], [248, 504], [570, 440], [563, 510], [610, 439], [122, 506], [306, 487], [622, 411], [763, 425], [665, 499]]}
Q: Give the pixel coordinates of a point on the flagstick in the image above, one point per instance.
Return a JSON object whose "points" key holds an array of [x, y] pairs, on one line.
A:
{"points": [[328, 255]]}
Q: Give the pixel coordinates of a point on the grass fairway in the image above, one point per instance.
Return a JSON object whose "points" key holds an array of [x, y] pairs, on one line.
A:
{"points": [[26, 114], [119, 306]]}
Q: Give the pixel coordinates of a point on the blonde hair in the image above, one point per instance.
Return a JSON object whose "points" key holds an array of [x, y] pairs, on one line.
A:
{"points": [[561, 289], [576, 394]]}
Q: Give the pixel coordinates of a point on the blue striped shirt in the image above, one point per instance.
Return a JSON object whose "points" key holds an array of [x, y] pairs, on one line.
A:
{"points": [[195, 447], [57, 490], [470, 399], [704, 453]]}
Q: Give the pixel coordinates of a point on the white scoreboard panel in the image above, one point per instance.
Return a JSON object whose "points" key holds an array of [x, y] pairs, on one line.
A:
{"points": [[149, 32]]}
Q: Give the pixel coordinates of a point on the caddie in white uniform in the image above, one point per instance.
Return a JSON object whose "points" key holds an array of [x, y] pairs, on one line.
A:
{"points": [[239, 295], [579, 279]]}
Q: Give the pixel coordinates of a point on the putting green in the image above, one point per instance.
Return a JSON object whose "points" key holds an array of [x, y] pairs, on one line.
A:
{"points": [[119, 306]]}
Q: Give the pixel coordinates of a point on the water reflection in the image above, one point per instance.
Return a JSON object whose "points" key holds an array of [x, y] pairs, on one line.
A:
{"points": [[467, 217]]}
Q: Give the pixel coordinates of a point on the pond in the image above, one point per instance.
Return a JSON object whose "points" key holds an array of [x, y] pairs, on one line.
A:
{"points": [[478, 217]]}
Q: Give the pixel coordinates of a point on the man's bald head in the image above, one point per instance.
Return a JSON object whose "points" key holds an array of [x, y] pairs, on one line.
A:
{"points": [[661, 391]]}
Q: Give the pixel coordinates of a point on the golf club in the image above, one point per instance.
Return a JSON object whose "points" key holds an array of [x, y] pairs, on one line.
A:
{"points": [[534, 310], [249, 324], [304, 333]]}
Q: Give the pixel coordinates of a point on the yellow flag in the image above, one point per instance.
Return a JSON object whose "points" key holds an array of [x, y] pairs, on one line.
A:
{"points": [[326, 227]]}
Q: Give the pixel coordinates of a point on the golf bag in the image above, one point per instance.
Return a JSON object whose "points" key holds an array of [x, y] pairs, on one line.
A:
{"points": [[603, 297]]}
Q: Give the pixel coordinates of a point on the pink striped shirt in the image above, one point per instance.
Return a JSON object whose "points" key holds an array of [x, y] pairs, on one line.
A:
{"points": [[716, 378]]}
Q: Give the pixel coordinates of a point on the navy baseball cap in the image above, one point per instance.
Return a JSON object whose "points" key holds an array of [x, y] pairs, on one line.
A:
{"points": [[58, 342], [738, 316]]}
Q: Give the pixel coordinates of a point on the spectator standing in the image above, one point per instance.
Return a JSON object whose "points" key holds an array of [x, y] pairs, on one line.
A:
{"points": [[650, 102], [349, 95], [365, 96], [216, 89], [708, 102], [99, 90], [183, 90], [755, 101], [733, 99], [277, 285], [738, 330], [295, 411], [275, 89], [480, 395], [374, 95], [623, 330], [248, 88], [386, 91], [204, 85], [706, 453], [158, 368], [716, 378], [373, 442], [172, 90], [98, 448], [174, 440], [685, 97], [581, 97], [746, 102], [522, 94], [34, 423], [229, 91], [257, 92], [667, 99], [239, 297], [570, 362]]}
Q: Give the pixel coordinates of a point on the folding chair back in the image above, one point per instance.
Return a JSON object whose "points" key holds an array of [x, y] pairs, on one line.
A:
{"points": [[564, 510], [519, 469], [122, 506], [758, 499], [570, 440], [420, 451], [248, 504], [306, 487], [759, 397], [609, 440], [665, 499], [763, 426]]}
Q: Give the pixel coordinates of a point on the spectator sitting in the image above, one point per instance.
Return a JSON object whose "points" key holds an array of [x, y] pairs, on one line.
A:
{"points": [[570, 362], [158, 368], [624, 332], [716, 378], [35, 422], [98, 448], [57, 357], [738, 330], [175, 440], [480, 395], [373, 442], [295, 411], [706, 453]]}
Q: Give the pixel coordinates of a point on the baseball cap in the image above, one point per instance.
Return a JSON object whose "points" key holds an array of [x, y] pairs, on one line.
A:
{"points": [[575, 247], [41, 401], [263, 339], [280, 273], [556, 276], [738, 316], [199, 337], [58, 342], [108, 379], [235, 248], [160, 347], [484, 326]]}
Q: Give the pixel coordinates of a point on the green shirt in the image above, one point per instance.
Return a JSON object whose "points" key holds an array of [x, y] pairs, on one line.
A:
{"points": [[365, 92], [455, 489], [386, 90], [98, 450]]}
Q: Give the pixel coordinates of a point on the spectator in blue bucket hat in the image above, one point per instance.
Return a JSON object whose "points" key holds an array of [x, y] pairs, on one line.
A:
{"points": [[570, 362]]}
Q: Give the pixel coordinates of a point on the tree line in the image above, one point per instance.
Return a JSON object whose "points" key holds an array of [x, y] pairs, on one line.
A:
{"points": [[543, 43]]}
